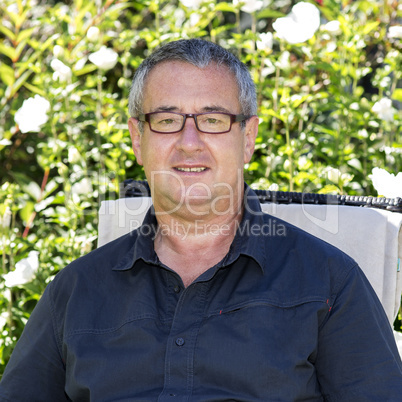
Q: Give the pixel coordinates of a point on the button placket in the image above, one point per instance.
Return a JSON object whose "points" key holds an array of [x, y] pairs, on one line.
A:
{"points": [[180, 349], [180, 342]]}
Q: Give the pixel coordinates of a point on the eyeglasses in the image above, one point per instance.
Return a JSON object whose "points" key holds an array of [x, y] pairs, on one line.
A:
{"points": [[171, 122]]}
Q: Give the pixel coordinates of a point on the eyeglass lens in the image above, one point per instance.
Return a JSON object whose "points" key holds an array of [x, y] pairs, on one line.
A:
{"points": [[167, 122]]}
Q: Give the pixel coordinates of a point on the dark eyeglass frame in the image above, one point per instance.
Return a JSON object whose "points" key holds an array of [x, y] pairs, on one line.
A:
{"points": [[234, 118]]}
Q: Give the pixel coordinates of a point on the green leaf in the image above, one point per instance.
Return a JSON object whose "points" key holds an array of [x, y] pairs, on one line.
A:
{"points": [[20, 82], [370, 26], [21, 18], [7, 32], [118, 8], [329, 189], [13, 16], [18, 50], [228, 7], [26, 211], [397, 95], [82, 11], [7, 74], [298, 101], [274, 114], [111, 164], [87, 69], [35, 89], [26, 33], [270, 14], [7, 51]]}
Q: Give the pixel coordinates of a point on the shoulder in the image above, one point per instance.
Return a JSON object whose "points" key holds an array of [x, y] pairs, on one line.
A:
{"points": [[308, 260], [95, 265]]}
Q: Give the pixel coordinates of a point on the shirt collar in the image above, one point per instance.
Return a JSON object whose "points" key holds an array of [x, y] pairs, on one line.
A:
{"points": [[143, 243], [246, 241], [248, 236]]}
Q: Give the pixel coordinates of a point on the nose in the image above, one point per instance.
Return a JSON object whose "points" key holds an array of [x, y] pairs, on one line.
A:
{"points": [[190, 139]]}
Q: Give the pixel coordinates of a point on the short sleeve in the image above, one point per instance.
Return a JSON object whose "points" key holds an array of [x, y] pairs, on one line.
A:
{"points": [[357, 358]]}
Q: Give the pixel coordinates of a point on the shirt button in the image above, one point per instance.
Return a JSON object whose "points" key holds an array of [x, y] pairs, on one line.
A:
{"points": [[179, 341], [176, 289]]}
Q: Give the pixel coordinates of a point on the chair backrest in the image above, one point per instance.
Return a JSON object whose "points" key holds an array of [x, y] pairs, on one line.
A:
{"points": [[366, 228]]}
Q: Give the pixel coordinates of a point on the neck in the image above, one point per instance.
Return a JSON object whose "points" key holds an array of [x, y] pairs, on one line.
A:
{"points": [[181, 233], [192, 244]]}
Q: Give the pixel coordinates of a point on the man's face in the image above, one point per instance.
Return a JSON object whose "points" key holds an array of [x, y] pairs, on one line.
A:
{"points": [[215, 181]]}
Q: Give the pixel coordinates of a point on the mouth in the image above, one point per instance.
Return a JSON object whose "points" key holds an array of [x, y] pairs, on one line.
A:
{"points": [[191, 169]]}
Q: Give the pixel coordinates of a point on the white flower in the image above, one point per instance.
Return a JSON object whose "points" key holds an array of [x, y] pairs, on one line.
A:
{"points": [[179, 17], [273, 187], [24, 272], [265, 42], [331, 47], [93, 34], [395, 31], [105, 58], [333, 27], [383, 109], [334, 175], [6, 142], [303, 162], [61, 71], [249, 6], [268, 68], [386, 184], [300, 25], [3, 319], [191, 3], [5, 220], [284, 61], [13, 8], [84, 186], [73, 155], [194, 19], [32, 114], [58, 52], [80, 64]]}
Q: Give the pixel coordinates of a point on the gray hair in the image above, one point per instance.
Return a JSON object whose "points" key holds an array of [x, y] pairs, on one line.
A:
{"points": [[199, 53]]}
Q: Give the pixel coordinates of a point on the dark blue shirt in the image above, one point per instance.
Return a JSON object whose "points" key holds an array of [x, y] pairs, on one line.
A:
{"points": [[283, 317]]}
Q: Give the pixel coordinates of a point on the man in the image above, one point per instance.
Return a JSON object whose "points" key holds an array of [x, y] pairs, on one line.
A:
{"points": [[204, 305]]}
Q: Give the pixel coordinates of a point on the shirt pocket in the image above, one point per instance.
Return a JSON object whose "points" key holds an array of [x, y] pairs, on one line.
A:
{"points": [[266, 348]]}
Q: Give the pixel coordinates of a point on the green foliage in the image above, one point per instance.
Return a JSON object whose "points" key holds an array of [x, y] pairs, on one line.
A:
{"points": [[315, 99]]}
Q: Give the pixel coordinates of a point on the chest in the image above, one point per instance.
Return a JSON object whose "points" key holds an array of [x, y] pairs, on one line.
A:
{"points": [[200, 343]]}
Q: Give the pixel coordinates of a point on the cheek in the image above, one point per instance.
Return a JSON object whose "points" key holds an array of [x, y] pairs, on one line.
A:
{"points": [[231, 157], [154, 154], [236, 148]]}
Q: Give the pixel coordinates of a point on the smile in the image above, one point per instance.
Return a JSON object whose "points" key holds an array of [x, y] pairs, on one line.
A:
{"points": [[193, 169]]}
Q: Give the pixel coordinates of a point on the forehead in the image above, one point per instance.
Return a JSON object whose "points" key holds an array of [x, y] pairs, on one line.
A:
{"points": [[181, 85]]}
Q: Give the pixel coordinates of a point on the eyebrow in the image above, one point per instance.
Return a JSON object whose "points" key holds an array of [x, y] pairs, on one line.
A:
{"points": [[214, 108], [166, 109], [207, 109]]}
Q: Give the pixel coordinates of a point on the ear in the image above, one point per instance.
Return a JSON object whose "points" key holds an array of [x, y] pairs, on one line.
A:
{"points": [[251, 132], [135, 135]]}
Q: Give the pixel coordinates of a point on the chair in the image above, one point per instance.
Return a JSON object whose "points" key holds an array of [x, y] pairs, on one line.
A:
{"points": [[366, 228]]}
